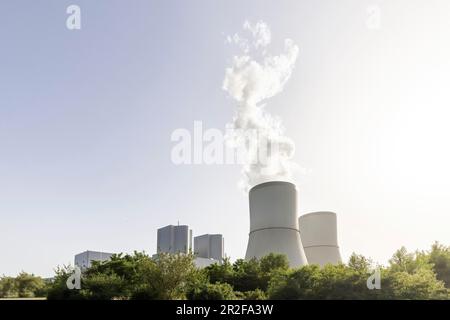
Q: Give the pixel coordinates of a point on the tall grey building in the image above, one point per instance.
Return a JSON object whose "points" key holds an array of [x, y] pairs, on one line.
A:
{"points": [[209, 246], [174, 239], [84, 260]]}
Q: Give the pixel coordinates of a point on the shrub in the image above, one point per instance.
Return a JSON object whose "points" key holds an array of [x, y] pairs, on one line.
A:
{"points": [[208, 291]]}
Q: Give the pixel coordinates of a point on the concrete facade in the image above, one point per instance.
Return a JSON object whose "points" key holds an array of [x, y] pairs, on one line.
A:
{"points": [[318, 231], [274, 223], [204, 262], [84, 260], [174, 239], [210, 246]]}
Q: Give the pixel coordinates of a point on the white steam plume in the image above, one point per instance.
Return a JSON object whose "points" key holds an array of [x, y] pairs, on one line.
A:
{"points": [[268, 152]]}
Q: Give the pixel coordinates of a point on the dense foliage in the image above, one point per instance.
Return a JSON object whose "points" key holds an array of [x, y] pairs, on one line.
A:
{"points": [[23, 286], [419, 275]]}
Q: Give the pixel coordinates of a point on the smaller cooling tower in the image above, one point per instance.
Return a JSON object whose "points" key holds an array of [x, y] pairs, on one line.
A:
{"points": [[273, 222], [318, 231]]}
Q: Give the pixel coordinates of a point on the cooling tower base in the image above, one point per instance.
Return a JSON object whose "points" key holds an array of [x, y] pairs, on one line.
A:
{"points": [[323, 255], [276, 240]]}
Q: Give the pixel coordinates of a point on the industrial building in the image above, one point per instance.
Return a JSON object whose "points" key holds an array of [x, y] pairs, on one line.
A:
{"points": [[210, 246], [174, 239], [318, 231], [204, 262], [274, 223], [84, 260], [275, 228]]}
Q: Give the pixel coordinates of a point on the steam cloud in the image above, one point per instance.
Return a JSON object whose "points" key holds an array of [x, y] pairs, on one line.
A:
{"points": [[268, 153]]}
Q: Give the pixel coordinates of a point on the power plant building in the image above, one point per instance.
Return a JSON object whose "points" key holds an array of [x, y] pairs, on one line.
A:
{"points": [[174, 239], [274, 228], [210, 246], [84, 260]]}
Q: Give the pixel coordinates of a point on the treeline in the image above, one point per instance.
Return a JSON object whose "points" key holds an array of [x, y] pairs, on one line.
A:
{"points": [[25, 285], [418, 275]]}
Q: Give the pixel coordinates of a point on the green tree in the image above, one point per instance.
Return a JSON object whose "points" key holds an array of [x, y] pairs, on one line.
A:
{"points": [[274, 262], [102, 286], [8, 287], [413, 276], [350, 282], [251, 295], [422, 285], [404, 261], [220, 272], [247, 275], [57, 289], [295, 284], [28, 284], [360, 263], [439, 257], [418, 275], [167, 277], [208, 291]]}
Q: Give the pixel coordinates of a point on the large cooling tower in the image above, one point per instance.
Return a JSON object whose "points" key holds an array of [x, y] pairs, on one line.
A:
{"points": [[318, 231], [273, 222]]}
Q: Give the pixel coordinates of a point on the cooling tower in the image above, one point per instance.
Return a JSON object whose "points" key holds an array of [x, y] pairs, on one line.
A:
{"points": [[273, 222], [318, 231]]}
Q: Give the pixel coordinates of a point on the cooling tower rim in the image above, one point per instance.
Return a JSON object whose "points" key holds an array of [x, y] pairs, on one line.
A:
{"points": [[269, 183], [318, 213], [274, 228]]}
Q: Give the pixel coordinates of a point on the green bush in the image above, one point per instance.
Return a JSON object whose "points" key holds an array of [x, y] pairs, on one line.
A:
{"points": [[104, 287], [57, 289], [251, 295], [8, 287], [439, 257], [409, 276], [418, 275], [208, 291], [25, 285]]}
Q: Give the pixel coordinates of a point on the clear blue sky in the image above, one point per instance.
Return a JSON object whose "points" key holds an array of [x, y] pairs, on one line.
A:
{"points": [[86, 118]]}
